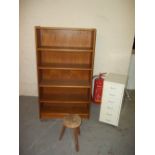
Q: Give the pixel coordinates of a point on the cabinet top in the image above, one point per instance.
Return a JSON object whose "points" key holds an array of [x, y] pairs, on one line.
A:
{"points": [[117, 78], [65, 28]]}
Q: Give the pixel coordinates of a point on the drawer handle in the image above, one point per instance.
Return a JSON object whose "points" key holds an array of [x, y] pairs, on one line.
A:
{"points": [[111, 101], [110, 108], [112, 88], [108, 120], [111, 94], [108, 114]]}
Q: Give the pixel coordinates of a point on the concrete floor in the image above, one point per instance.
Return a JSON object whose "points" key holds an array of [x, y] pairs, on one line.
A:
{"points": [[41, 137]]}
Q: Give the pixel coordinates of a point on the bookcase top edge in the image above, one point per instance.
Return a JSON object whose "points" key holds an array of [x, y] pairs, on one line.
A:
{"points": [[67, 28]]}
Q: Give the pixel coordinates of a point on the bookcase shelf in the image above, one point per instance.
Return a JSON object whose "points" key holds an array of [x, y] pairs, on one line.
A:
{"points": [[65, 83], [65, 49], [65, 66], [61, 98], [65, 58], [54, 110]]}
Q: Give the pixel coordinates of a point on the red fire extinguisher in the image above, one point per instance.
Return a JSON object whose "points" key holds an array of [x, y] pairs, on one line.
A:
{"points": [[98, 87]]}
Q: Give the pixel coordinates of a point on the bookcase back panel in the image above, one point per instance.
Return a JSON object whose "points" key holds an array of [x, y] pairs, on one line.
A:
{"points": [[66, 38], [67, 108], [48, 74], [65, 95], [64, 91], [48, 57]]}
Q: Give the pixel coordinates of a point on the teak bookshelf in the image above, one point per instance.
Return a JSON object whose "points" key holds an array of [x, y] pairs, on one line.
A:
{"points": [[65, 58]]}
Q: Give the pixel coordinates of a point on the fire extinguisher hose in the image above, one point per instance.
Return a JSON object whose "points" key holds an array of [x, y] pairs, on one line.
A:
{"points": [[102, 75]]}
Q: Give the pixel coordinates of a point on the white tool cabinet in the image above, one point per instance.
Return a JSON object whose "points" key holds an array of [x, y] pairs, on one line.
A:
{"points": [[113, 92]]}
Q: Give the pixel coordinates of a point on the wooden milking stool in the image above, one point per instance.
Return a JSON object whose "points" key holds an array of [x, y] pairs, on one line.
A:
{"points": [[72, 121]]}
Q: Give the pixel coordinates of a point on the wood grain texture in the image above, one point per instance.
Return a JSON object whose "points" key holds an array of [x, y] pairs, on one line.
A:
{"points": [[65, 58]]}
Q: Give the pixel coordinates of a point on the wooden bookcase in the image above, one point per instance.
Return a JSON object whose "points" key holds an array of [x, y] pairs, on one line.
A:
{"points": [[65, 58]]}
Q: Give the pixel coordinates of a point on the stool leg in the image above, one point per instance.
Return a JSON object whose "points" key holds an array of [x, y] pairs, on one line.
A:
{"points": [[78, 128], [62, 132], [76, 139]]}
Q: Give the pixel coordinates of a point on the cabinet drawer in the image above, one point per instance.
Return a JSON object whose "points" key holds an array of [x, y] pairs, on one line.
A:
{"points": [[110, 109], [110, 120], [115, 102], [112, 90], [112, 96], [109, 115], [114, 87]]}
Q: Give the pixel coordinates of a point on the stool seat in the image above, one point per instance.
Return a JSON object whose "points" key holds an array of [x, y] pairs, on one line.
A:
{"points": [[72, 121]]}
